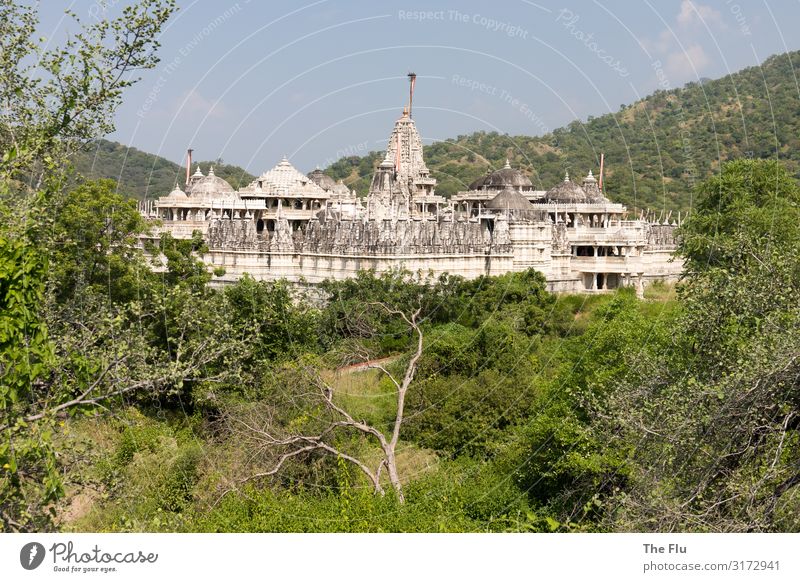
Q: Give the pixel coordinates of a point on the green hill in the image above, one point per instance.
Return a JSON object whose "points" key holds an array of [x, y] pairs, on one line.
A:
{"points": [[655, 149], [139, 173]]}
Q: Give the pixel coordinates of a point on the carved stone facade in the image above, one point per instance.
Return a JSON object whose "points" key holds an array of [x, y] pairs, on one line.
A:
{"points": [[286, 225]]}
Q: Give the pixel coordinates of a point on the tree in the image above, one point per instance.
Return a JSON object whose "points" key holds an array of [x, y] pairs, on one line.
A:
{"points": [[56, 99], [53, 100], [264, 434], [712, 420], [94, 243], [747, 210], [26, 356]]}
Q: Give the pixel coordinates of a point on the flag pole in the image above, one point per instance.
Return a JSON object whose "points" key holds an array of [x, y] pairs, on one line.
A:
{"points": [[412, 77], [600, 184]]}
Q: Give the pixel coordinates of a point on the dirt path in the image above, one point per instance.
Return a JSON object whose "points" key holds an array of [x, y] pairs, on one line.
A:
{"points": [[361, 366]]}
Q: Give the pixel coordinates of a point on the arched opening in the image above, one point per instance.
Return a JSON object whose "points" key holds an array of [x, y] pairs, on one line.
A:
{"points": [[259, 226]]}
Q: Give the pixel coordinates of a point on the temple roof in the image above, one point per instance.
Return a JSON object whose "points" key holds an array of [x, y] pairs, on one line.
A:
{"points": [[509, 200], [285, 179], [478, 183], [340, 190], [322, 179], [209, 185], [177, 193], [566, 191], [502, 179]]}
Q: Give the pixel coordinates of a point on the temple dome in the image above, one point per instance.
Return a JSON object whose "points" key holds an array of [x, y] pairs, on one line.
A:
{"points": [[478, 184], [210, 185], [592, 190], [509, 200], [566, 191], [503, 179], [177, 193], [322, 179], [285, 179]]}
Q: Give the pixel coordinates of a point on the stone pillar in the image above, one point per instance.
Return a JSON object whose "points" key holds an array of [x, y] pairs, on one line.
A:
{"points": [[594, 281], [639, 286]]}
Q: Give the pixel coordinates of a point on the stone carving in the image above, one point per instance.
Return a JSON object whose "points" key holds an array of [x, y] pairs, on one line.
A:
{"points": [[320, 229]]}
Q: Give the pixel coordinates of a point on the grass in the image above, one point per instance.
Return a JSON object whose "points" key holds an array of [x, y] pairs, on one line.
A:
{"points": [[660, 291], [366, 394], [134, 472]]}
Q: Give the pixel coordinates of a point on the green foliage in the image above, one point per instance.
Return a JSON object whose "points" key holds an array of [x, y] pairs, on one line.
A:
{"points": [[134, 439], [562, 465], [176, 489], [184, 267], [459, 415], [742, 249], [459, 497], [281, 328], [94, 244], [751, 206], [55, 98], [27, 459], [357, 308], [521, 299]]}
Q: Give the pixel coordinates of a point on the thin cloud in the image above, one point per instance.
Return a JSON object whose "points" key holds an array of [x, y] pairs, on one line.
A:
{"points": [[687, 63], [679, 45], [698, 14]]}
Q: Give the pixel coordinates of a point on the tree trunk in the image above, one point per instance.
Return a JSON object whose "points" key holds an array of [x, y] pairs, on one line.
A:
{"points": [[394, 477]]}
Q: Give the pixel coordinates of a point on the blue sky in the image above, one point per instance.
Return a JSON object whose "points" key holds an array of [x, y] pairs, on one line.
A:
{"points": [[250, 81]]}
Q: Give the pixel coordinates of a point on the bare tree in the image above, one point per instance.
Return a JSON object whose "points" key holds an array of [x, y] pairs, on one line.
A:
{"points": [[264, 434]]}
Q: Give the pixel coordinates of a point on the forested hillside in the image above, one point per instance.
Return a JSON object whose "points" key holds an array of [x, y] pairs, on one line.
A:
{"points": [[656, 149], [139, 174]]}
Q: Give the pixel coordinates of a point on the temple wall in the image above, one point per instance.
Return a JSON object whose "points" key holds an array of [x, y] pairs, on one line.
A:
{"points": [[313, 268], [339, 248], [531, 244]]}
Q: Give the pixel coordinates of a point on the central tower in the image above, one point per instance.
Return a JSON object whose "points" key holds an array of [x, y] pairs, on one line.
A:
{"points": [[402, 181]]}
